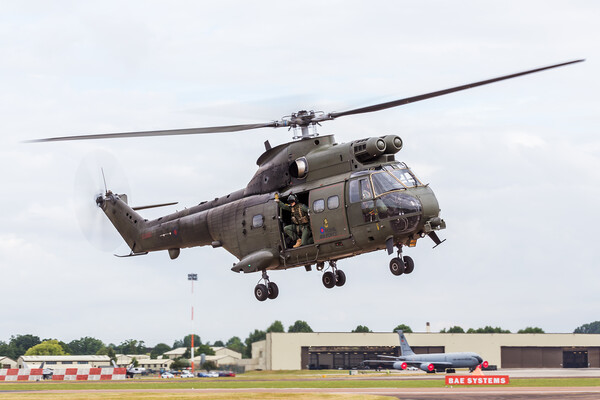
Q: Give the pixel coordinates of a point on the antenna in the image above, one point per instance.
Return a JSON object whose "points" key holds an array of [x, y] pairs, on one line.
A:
{"points": [[104, 179]]}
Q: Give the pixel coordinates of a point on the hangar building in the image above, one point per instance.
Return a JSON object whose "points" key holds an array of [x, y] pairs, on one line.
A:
{"points": [[332, 350]]}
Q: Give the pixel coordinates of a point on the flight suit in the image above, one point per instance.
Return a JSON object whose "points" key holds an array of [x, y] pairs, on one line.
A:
{"points": [[299, 228]]}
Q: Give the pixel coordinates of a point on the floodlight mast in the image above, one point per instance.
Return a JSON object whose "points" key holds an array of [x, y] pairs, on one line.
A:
{"points": [[192, 278]]}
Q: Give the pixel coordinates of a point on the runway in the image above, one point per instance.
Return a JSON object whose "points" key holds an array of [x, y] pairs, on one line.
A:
{"points": [[490, 393]]}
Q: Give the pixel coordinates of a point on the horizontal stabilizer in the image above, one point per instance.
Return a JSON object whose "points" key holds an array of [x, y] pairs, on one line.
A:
{"points": [[132, 254], [154, 206]]}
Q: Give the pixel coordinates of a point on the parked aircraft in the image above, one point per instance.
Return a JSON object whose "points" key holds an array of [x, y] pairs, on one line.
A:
{"points": [[131, 370], [432, 362], [46, 372]]}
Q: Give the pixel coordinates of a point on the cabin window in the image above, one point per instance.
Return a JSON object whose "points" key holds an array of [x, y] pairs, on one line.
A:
{"points": [[333, 202], [257, 221], [360, 189], [318, 205]]}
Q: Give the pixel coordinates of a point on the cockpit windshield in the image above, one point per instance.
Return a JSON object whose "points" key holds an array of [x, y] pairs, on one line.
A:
{"points": [[393, 177], [384, 182], [382, 194], [403, 174]]}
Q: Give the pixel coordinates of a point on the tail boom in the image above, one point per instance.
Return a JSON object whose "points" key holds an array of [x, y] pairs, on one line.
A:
{"points": [[145, 236]]}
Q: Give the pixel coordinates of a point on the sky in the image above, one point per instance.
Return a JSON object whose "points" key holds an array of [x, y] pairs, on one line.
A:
{"points": [[515, 165]]}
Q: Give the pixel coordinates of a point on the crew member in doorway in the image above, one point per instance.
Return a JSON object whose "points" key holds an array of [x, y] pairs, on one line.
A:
{"points": [[299, 230]]}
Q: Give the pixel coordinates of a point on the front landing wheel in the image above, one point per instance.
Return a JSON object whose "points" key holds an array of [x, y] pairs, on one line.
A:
{"points": [[397, 266], [409, 264]]}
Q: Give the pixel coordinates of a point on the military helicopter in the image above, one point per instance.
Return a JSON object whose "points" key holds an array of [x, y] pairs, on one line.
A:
{"points": [[358, 198]]}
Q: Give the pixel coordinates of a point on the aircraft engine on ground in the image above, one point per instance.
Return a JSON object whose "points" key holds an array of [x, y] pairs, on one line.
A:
{"points": [[400, 365], [427, 367]]}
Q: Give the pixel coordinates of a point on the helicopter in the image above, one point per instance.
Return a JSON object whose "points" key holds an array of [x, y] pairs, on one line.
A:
{"points": [[357, 199]]}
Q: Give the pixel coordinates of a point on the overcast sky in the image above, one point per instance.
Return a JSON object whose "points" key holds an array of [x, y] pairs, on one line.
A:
{"points": [[514, 165]]}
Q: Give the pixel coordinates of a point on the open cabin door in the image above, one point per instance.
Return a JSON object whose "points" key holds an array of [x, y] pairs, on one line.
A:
{"points": [[328, 213]]}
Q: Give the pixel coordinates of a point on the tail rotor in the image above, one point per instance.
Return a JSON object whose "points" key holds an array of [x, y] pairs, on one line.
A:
{"points": [[90, 193]]}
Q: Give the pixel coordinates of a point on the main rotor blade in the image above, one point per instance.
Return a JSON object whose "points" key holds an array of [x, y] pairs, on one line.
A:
{"points": [[170, 132], [396, 103]]}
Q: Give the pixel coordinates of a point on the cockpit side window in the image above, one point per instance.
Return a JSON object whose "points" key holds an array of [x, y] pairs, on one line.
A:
{"points": [[359, 190], [365, 189]]}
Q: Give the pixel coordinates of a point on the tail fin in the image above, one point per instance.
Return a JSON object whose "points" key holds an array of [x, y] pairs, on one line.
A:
{"points": [[128, 222], [405, 349]]}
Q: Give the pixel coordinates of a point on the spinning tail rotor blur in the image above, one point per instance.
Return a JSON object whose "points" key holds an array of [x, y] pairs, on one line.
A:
{"points": [[95, 169]]}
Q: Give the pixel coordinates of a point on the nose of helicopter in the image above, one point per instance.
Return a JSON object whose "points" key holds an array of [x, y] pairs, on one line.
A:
{"points": [[429, 204]]}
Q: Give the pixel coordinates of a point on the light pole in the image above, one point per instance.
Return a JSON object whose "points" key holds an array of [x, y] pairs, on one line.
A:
{"points": [[192, 278]]}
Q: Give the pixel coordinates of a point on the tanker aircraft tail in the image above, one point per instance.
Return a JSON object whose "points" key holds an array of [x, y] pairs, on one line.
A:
{"points": [[405, 349]]}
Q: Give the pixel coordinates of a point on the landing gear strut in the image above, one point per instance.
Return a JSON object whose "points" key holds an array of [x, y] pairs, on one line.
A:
{"points": [[335, 277], [401, 265], [268, 290]]}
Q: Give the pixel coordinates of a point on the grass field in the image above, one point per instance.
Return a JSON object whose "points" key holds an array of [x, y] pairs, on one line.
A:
{"points": [[180, 388], [183, 396]]}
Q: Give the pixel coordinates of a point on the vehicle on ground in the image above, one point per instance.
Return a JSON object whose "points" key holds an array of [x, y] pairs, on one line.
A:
{"points": [[187, 374], [211, 374]]}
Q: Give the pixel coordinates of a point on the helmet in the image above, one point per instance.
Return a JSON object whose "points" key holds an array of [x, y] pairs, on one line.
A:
{"points": [[292, 198]]}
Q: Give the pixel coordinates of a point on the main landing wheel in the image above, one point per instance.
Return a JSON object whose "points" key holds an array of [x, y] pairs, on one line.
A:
{"points": [[329, 279], [273, 290], [267, 289], [261, 292], [397, 266], [340, 278]]}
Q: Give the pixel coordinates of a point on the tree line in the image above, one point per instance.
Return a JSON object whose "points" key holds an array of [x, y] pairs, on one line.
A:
{"points": [[19, 345]]}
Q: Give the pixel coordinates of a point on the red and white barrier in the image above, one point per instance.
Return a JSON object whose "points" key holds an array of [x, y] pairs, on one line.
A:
{"points": [[63, 374]]}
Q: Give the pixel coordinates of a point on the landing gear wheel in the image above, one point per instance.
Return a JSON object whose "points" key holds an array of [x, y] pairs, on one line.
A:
{"points": [[409, 264], [261, 292], [328, 279], [340, 278], [273, 290], [397, 266]]}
